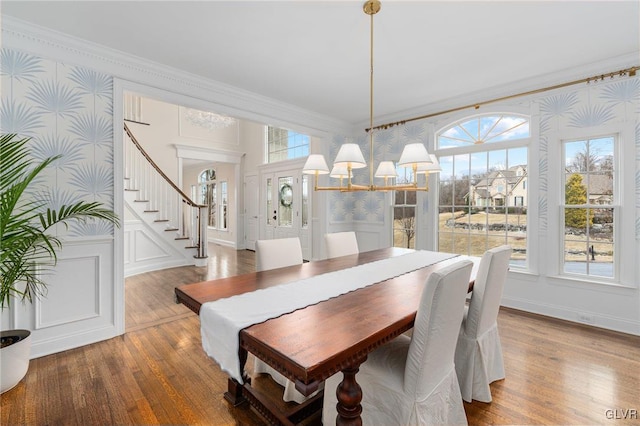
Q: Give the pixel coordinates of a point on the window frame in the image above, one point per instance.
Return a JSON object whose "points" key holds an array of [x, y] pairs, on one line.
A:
{"points": [[615, 205], [532, 159], [205, 183], [626, 247], [223, 206], [304, 148]]}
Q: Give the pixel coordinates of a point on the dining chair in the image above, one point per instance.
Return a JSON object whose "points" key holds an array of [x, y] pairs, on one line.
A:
{"points": [[341, 244], [478, 355], [272, 254], [278, 253], [412, 380]]}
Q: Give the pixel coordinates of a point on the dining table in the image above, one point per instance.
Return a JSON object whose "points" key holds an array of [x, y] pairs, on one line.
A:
{"points": [[311, 343]]}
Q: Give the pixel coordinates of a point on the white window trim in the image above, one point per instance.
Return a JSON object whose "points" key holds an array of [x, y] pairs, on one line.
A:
{"points": [[624, 245], [532, 176]]}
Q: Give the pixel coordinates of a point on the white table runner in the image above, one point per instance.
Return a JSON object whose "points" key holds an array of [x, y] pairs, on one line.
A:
{"points": [[222, 320]]}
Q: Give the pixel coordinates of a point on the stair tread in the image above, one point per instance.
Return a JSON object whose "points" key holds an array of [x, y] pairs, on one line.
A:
{"points": [[151, 211]]}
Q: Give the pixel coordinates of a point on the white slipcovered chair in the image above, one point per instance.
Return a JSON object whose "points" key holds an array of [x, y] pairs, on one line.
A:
{"points": [[479, 353], [272, 254], [341, 244], [412, 380], [278, 253]]}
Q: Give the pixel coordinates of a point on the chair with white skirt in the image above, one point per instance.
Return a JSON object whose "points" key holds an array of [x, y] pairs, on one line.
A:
{"points": [[272, 254], [341, 244], [412, 380], [278, 253], [478, 357]]}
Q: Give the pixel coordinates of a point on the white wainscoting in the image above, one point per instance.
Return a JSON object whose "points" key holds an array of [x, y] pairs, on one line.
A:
{"points": [[144, 251], [79, 305]]}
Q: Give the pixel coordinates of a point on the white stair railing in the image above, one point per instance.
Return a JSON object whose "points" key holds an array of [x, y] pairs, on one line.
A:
{"points": [[172, 205]]}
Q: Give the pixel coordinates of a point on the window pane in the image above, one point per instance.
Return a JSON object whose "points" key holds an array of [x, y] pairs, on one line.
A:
{"points": [[487, 190], [484, 129], [305, 201], [601, 260], [283, 144], [445, 241], [223, 205], [285, 201], [269, 201], [575, 190]]}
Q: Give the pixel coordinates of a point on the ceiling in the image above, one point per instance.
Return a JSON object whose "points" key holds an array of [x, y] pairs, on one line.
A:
{"points": [[315, 55]]}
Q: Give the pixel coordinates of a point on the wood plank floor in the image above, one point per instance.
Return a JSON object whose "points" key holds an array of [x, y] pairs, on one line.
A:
{"points": [[558, 373]]}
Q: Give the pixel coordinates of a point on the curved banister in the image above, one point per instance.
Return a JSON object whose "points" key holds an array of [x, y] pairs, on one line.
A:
{"points": [[184, 196], [165, 198]]}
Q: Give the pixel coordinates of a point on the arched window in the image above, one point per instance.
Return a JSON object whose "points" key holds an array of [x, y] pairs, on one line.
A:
{"points": [[483, 194], [483, 129], [208, 195]]}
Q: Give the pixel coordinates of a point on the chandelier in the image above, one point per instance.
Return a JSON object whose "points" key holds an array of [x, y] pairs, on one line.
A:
{"points": [[208, 120], [349, 157]]}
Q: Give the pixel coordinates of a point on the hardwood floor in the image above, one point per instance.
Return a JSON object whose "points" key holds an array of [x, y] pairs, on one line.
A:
{"points": [[558, 373]]}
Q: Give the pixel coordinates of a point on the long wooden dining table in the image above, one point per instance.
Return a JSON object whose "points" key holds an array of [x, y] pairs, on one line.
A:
{"points": [[311, 344]]}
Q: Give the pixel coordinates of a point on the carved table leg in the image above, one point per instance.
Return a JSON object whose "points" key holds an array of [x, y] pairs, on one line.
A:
{"points": [[234, 388], [349, 396]]}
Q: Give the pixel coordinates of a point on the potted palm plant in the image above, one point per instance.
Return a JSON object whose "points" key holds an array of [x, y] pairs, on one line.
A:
{"points": [[27, 240]]}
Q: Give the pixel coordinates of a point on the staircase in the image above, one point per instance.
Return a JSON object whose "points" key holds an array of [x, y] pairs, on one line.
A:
{"points": [[164, 228]]}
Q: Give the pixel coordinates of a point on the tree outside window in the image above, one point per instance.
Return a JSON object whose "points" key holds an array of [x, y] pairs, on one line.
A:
{"points": [[208, 194], [590, 207]]}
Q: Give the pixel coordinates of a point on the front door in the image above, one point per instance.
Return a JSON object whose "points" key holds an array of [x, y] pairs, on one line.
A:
{"points": [[285, 207]]}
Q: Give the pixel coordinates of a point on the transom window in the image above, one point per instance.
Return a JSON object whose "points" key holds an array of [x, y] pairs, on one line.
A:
{"points": [[283, 144], [484, 129], [590, 207], [483, 192]]}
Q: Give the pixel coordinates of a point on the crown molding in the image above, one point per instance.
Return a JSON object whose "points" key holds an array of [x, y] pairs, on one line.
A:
{"points": [[21, 35], [520, 86]]}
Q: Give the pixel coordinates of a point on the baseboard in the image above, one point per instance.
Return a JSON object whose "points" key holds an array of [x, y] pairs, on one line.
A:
{"points": [[594, 319]]}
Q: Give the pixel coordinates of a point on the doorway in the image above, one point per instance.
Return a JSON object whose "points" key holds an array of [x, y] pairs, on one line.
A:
{"points": [[285, 204]]}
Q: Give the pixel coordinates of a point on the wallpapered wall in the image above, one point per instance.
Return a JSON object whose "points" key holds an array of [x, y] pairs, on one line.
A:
{"points": [[584, 106], [591, 106], [65, 110], [388, 144]]}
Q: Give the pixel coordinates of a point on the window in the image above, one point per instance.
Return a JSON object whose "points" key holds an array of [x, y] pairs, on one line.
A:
{"points": [[404, 219], [483, 195], [283, 144], [589, 206], [207, 181], [223, 205], [305, 201]]}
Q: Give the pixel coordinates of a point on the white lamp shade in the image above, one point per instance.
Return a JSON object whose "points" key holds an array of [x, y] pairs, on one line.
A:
{"points": [[386, 169], [315, 164], [414, 153], [434, 167], [350, 155], [339, 172]]}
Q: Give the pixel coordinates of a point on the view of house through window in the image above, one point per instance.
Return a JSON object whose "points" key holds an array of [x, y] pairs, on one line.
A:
{"points": [[283, 144], [483, 194], [590, 209]]}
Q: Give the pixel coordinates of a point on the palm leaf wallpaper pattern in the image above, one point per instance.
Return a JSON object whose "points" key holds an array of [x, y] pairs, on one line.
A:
{"points": [[68, 111]]}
